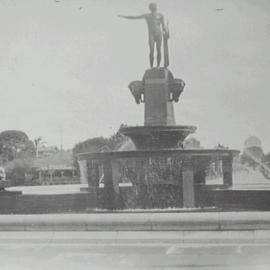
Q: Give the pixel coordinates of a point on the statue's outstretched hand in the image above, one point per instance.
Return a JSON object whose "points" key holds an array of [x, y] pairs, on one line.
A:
{"points": [[132, 17]]}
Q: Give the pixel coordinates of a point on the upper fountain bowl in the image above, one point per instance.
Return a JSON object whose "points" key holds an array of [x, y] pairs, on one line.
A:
{"points": [[157, 137]]}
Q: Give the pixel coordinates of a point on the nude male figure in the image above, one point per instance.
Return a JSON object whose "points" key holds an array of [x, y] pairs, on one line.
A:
{"points": [[156, 29]]}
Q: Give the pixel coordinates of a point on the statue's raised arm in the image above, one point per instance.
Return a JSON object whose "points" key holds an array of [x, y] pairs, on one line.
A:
{"points": [[143, 16], [156, 30]]}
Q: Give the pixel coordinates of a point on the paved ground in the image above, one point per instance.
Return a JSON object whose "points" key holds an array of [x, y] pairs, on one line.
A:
{"points": [[39, 250], [246, 180], [52, 189], [245, 225], [87, 250], [195, 241]]}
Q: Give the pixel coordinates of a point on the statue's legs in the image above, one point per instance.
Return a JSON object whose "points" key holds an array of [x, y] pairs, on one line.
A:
{"points": [[151, 47], [158, 40], [155, 40]]}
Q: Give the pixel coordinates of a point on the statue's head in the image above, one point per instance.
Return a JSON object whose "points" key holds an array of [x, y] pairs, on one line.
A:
{"points": [[153, 7]]}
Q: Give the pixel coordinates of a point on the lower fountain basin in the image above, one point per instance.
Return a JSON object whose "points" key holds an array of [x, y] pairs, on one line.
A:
{"points": [[157, 137], [157, 178]]}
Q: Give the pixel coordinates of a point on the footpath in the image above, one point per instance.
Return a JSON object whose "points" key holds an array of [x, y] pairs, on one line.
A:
{"points": [[249, 222]]}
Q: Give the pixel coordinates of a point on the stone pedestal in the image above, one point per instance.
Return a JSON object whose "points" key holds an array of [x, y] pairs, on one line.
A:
{"points": [[227, 170], [83, 171], [111, 185], [89, 175], [158, 90], [188, 184], [158, 107]]}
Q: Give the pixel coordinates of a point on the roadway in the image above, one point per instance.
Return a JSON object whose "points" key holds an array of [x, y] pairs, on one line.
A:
{"points": [[127, 250]]}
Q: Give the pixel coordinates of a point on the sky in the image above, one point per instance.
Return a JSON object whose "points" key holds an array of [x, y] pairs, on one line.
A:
{"points": [[65, 66]]}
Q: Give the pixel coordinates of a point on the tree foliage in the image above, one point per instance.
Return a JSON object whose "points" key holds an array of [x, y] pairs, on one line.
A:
{"points": [[99, 144], [17, 169], [14, 144], [38, 142], [16, 153]]}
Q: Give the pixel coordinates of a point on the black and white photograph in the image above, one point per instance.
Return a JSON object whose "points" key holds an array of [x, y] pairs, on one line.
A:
{"points": [[134, 134]]}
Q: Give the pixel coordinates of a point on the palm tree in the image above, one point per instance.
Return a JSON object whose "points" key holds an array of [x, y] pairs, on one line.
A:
{"points": [[38, 142]]}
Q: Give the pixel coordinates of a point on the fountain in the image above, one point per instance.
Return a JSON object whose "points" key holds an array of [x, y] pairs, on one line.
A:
{"points": [[159, 151], [159, 172]]}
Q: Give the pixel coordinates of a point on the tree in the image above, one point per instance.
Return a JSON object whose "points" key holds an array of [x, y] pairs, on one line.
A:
{"points": [[98, 144], [17, 169], [12, 143], [38, 142], [91, 145], [16, 153]]}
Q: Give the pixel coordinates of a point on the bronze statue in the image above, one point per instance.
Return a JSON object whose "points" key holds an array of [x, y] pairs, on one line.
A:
{"points": [[156, 29]]}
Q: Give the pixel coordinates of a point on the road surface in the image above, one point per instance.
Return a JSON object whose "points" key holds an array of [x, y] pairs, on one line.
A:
{"points": [[127, 250]]}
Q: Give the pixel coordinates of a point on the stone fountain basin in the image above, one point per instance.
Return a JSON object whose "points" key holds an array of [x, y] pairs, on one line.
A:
{"points": [[157, 137], [200, 154], [160, 178]]}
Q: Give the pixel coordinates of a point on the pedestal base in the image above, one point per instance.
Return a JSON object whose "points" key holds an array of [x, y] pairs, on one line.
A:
{"points": [[158, 107]]}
